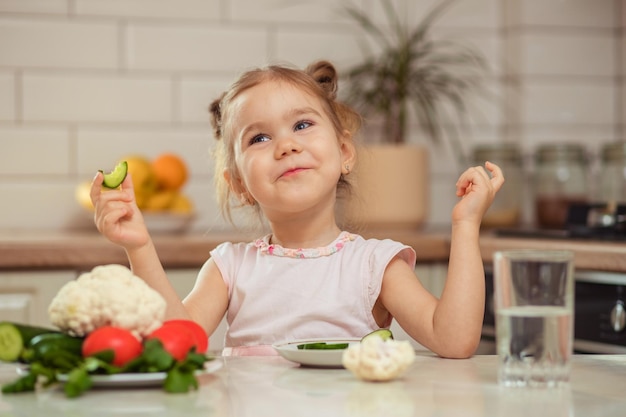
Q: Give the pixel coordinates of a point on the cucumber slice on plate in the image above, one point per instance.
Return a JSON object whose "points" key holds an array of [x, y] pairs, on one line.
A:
{"points": [[384, 334], [114, 178]]}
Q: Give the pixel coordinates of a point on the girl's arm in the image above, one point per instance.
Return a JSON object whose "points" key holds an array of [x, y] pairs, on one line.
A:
{"points": [[450, 326], [118, 218]]}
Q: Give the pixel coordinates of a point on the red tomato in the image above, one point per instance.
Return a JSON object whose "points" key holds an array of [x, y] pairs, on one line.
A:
{"points": [[176, 339], [199, 335], [122, 342]]}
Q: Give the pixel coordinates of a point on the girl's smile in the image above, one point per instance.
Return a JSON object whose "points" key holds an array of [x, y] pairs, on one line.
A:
{"points": [[291, 172]]}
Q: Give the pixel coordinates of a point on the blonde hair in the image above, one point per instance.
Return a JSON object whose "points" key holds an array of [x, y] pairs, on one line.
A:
{"points": [[318, 79]]}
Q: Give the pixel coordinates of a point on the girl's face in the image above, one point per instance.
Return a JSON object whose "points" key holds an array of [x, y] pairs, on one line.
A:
{"points": [[288, 154]]}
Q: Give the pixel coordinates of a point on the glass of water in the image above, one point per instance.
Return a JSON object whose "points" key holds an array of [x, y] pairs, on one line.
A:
{"points": [[534, 304]]}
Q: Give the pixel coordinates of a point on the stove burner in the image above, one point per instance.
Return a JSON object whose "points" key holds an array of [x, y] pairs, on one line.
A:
{"points": [[599, 221]]}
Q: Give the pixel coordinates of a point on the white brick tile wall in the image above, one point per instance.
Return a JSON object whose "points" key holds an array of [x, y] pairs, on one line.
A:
{"points": [[289, 12], [195, 48], [103, 147], [170, 9], [38, 204], [34, 6], [301, 48], [197, 94], [34, 151], [96, 98], [474, 14], [7, 96], [588, 54], [575, 103], [57, 43], [571, 13], [87, 81]]}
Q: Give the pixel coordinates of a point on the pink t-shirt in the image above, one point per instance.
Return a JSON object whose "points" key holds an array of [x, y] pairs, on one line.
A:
{"points": [[279, 294]]}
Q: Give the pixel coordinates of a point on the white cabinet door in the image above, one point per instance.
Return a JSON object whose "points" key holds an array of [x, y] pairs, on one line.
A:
{"points": [[25, 296], [182, 280]]}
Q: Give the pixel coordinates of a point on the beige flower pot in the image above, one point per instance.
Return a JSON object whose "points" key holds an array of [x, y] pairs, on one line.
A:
{"points": [[391, 188]]}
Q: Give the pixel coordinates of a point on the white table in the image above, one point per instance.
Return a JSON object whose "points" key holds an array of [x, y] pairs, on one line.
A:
{"points": [[272, 386]]}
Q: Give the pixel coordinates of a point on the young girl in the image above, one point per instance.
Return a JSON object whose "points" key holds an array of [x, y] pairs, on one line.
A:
{"points": [[285, 147]]}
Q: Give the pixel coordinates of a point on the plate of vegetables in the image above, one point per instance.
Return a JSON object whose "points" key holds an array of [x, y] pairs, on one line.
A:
{"points": [[146, 379], [323, 353]]}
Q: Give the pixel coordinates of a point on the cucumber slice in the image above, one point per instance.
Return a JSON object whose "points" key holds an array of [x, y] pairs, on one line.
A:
{"points": [[114, 178], [322, 346], [384, 334]]}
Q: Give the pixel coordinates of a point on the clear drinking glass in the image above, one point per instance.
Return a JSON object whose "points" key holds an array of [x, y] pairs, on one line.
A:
{"points": [[534, 304]]}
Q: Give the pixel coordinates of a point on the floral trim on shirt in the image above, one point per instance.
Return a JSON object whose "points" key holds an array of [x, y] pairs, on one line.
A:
{"points": [[272, 249]]}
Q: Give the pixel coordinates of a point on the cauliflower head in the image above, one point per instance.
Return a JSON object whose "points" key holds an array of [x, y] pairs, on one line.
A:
{"points": [[375, 359], [108, 295]]}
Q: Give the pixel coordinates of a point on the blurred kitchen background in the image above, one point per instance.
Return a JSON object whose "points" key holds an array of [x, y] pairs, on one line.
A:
{"points": [[85, 82]]}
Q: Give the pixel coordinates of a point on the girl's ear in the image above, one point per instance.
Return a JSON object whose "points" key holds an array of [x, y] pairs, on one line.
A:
{"points": [[238, 189], [348, 152], [235, 184]]}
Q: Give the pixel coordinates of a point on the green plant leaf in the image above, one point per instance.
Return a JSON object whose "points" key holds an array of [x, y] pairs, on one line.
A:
{"points": [[415, 72]]}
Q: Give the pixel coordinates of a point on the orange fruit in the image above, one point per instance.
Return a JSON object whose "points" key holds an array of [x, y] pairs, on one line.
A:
{"points": [[170, 171]]}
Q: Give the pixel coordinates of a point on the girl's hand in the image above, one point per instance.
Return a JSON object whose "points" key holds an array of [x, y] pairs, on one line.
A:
{"points": [[116, 215], [477, 190]]}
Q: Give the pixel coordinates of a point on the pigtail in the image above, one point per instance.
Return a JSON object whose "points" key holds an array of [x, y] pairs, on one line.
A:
{"points": [[215, 109]]}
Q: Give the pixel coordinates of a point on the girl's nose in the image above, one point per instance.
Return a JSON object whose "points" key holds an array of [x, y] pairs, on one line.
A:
{"points": [[287, 145]]}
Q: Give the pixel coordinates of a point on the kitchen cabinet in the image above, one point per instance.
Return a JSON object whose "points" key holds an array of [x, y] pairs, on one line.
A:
{"points": [[26, 295]]}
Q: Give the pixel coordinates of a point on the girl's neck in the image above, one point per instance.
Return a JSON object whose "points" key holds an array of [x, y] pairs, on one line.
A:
{"points": [[304, 236]]}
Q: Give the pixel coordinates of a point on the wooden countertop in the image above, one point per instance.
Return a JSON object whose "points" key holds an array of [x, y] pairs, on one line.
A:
{"points": [[80, 251]]}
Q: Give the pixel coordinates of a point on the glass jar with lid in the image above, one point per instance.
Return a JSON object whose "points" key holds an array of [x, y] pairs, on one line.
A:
{"points": [[505, 211], [561, 179], [612, 179]]}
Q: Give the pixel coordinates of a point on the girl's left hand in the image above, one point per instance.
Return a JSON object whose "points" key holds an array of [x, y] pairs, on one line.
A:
{"points": [[477, 189]]}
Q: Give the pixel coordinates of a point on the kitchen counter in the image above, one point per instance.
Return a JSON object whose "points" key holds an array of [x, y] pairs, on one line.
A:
{"points": [[31, 250], [272, 386], [57, 250]]}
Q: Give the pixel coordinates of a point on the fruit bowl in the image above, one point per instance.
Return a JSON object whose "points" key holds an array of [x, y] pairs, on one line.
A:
{"points": [[168, 222], [156, 222]]}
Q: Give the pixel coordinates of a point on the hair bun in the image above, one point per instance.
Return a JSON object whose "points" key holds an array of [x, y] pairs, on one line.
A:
{"points": [[326, 76], [215, 109]]}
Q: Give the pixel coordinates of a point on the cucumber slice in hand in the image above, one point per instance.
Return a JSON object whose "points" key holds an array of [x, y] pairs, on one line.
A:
{"points": [[114, 178]]}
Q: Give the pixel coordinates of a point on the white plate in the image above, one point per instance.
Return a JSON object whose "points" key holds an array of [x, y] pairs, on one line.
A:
{"points": [[327, 358], [148, 379]]}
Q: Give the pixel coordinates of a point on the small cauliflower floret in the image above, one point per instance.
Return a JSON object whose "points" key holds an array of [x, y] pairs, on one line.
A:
{"points": [[109, 295], [375, 359]]}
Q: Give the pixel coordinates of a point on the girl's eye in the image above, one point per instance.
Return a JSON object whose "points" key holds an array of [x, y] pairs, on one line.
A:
{"points": [[302, 125], [259, 138]]}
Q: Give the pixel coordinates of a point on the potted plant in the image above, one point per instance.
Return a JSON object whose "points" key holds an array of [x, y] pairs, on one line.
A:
{"points": [[411, 73]]}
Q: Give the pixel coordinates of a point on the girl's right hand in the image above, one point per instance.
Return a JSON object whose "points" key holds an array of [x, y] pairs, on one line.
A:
{"points": [[116, 215]]}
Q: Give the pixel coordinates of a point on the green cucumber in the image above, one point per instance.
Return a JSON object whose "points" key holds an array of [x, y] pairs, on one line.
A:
{"points": [[384, 334], [55, 350], [323, 345], [15, 337], [114, 178], [48, 344]]}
